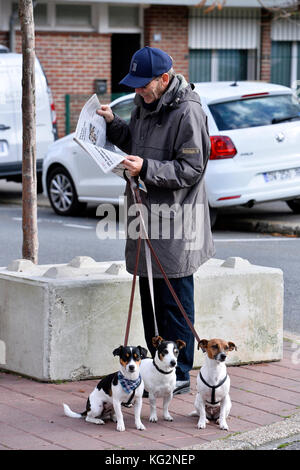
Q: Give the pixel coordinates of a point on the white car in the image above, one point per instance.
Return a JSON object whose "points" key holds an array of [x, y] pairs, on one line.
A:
{"points": [[11, 116], [255, 135]]}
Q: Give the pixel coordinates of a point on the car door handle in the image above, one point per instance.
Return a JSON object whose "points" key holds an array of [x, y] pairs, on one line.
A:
{"points": [[3, 127]]}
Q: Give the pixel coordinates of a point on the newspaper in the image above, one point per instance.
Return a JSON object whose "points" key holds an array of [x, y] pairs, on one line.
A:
{"points": [[90, 134]]}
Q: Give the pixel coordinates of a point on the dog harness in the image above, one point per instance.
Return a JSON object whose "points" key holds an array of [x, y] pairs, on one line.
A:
{"points": [[161, 371], [213, 391]]}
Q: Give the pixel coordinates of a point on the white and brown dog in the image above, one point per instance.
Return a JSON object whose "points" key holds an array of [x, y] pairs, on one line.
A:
{"points": [[159, 374], [213, 383], [122, 387]]}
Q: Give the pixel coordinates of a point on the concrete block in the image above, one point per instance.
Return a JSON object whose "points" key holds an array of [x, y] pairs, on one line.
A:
{"points": [[62, 322]]}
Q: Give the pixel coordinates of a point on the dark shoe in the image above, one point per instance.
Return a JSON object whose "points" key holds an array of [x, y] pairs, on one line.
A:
{"points": [[182, 386]]}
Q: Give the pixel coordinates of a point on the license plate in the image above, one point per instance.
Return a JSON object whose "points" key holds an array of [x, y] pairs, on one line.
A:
{"points": [[3, 148], [280, 175]]}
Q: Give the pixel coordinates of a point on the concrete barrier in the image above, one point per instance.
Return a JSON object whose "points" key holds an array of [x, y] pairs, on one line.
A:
{"points": [[62, 322]]}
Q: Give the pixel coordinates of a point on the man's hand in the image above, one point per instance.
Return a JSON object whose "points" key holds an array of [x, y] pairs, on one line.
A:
{"points": [[106, 112], [133, 164]]}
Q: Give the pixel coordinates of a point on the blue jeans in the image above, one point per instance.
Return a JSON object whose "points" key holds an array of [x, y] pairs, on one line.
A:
{"points": [[170, 321]]}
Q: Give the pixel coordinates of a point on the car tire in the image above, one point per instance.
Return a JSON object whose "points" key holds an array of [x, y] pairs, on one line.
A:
{"points": [[62, 193], [213, 214], [294, 204]]}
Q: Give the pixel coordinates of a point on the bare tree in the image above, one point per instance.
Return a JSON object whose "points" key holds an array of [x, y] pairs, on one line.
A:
{"points": [[29, 178]]}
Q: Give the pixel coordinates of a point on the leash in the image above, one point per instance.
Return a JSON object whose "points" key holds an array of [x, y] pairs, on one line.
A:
{"points": [[148, 246]]}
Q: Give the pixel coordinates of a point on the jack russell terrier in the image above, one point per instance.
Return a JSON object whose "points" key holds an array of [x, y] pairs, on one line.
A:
{"points": [[212, 400], [122, 387], [159, 374]]}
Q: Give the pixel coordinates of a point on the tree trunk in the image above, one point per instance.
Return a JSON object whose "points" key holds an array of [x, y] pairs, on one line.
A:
{"points": [[29, 178]]}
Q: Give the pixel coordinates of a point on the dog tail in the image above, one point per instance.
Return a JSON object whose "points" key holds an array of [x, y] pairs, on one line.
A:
{"points": [[72, 414]]}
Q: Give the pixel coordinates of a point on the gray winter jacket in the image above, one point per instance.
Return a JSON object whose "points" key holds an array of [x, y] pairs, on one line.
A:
{"points": [[173, 139]]}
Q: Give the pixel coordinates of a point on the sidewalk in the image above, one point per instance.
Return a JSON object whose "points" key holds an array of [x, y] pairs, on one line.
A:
{"points": [[265, 398]]}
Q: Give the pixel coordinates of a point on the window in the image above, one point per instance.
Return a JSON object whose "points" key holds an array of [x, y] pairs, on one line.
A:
{"points": [[73, 15], [39, 12], [223, 64], [260, 111], [124, 109], [123, 17], [281, 62]]}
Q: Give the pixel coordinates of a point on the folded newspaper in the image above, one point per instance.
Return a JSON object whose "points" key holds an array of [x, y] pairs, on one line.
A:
{"points": [[90, 134]]}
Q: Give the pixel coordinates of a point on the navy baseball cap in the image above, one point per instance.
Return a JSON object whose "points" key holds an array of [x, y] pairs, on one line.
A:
{"points": [[146, 63]]}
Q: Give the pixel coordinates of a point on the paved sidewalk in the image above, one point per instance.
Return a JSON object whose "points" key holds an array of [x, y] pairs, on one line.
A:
{"points": [[31, 413]]}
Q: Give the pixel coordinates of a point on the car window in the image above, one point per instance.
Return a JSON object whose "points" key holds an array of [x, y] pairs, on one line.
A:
{"points": [[124, 109], [252, 112]]}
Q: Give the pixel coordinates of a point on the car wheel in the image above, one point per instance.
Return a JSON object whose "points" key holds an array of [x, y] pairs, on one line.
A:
{"points": [[62, 193], [213, 213], [294, 205]]}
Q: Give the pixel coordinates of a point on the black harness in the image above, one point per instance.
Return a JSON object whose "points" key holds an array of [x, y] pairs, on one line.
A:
{"points": [[213, 387]]}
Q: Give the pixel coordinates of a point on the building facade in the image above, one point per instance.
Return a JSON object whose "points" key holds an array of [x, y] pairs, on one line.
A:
{"points": [[86, 46]]}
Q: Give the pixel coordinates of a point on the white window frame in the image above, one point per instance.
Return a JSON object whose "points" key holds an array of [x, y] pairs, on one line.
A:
{"points": [[104, 27], [294, 63], [51, 25]]}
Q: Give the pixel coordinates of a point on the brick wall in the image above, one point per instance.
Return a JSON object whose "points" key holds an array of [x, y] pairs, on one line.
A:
{"points": [[72, 61], [266, 46], [172, 24]]}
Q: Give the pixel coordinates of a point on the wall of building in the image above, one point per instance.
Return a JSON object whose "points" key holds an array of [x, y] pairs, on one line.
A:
{"points": [[266, 46], [171, 23], [72, 61]]}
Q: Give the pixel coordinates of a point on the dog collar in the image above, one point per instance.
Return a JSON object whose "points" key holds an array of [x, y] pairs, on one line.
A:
{"points": [[127, 384], [161, 371], [213, 387]]}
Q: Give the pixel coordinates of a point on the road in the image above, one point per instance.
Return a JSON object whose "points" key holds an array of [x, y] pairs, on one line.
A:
{"points": [[63, 238]]}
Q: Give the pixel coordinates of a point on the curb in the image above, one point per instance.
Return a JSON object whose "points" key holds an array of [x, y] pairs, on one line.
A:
{"points": [[263, 436], [261, 226], [253, 440]]}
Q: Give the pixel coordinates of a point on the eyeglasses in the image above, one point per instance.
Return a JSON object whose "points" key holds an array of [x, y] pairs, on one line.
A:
{"points": [[155, 78]]}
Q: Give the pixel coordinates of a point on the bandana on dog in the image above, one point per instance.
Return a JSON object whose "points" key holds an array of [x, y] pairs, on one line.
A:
{"points": [[129, 385]]}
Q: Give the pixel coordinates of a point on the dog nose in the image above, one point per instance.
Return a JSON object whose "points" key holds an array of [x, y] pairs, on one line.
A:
{"points": [[131, 368], [223, 356], [172, 363]]}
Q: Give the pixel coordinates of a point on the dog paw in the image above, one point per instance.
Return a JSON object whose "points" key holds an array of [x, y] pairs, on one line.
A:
{"points": [[153, 419], [120, 427], [140, 427], [224, 426], [168, 418], [194, 413], [201, 424]]}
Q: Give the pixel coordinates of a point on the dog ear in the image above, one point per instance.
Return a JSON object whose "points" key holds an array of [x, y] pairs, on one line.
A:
{"points": [[232, 346], [117, 352], [180, 344], [156, 341], [143, 352], [203, 344]]}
